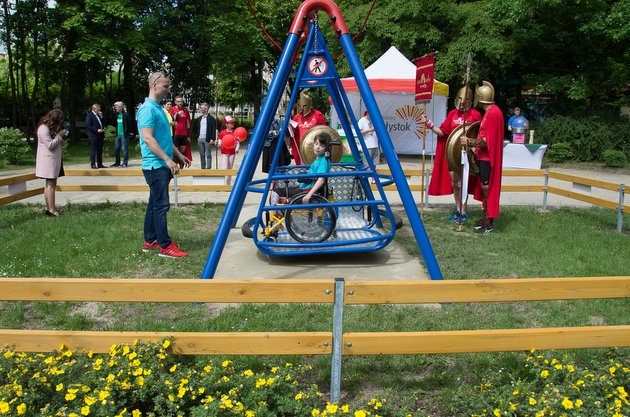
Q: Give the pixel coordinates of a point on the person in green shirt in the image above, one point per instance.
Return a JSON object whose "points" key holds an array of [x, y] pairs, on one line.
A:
{"points": [[122, 135]]}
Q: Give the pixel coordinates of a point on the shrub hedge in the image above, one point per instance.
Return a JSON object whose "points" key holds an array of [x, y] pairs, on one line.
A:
{"points": [[587, 136]]}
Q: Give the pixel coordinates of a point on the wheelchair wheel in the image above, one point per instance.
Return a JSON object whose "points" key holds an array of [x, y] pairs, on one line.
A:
{"points": [[311, 225], [357, 194]]}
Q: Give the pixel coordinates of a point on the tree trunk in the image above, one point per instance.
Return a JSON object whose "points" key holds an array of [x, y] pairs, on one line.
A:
{"points": [[7, 43]]}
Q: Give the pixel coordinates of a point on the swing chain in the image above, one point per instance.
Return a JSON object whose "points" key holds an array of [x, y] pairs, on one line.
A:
{"points": [[315, 30]]}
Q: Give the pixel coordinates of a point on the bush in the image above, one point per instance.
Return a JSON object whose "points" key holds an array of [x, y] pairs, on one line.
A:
{"points": [[145, 380], [13, 147], [110, 141], [552, 387], [560, 152], [614, 159], [588, 136]]}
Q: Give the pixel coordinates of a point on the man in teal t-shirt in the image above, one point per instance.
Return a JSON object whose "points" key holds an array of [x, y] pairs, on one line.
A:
{"points": [[158, 166]]}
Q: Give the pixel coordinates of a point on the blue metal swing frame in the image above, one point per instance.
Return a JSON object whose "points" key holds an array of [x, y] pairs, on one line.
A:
{"points": [[316, 46]]}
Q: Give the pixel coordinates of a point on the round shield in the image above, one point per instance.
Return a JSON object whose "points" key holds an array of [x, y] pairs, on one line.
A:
{"points": [[306, 145], [454, 148]]}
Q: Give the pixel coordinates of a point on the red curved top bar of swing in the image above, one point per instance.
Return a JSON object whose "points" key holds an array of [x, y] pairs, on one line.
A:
{"points": [[329, 6]]}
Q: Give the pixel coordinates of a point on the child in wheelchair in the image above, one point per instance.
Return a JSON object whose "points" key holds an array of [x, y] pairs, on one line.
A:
{"points": [[316, 185]]}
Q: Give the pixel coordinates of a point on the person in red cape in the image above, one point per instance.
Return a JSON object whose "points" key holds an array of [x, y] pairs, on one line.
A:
{"points": [[306, 118], [489, 154], [443, 180]]}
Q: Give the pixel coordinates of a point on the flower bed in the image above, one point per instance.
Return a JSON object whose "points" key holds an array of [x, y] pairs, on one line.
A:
{"points": [[145, 380], [551, 387]]}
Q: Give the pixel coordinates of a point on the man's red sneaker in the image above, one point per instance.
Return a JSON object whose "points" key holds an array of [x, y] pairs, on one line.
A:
{"points": [[172, 251], [148, 247]]}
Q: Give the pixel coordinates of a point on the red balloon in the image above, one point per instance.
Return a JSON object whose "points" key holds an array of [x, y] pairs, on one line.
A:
{"points": [[240, 133], [228, 142]]}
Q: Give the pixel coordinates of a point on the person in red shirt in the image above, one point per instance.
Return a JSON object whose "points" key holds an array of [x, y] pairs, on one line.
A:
{"points": [[443, 180], [181, 117], [489, 154], [306, 118], [228, 155]]}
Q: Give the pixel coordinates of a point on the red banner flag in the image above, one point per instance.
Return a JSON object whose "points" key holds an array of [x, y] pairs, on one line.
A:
{"points": [[425, 71]]}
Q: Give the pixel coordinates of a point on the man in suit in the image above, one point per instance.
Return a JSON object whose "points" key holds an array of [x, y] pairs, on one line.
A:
{"points": [[204, 129], [95, 126]]}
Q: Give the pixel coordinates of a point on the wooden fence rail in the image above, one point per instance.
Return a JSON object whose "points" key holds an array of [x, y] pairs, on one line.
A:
{"points": [[338, 293], [318, 291], [18, 182]]}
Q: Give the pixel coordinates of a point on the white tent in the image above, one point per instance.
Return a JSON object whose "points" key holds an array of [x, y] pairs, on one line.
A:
{"points": [[393, 79]]}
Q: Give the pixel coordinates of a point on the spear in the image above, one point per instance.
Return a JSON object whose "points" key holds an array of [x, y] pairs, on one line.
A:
{"points": [[464, 156]]}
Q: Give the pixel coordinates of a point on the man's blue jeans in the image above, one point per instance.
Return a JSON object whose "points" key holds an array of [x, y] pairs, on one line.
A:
{"points": [[122, 142], [155, 226]]}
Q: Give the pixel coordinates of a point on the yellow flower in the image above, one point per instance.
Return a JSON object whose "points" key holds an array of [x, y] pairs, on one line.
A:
{"points": [[360, 413], [136, 413], [299, 396], [207, 368], [515, 392], [225, 364], [173, 368], [70, 396], [612, 370], [260, 382], [331, 408], [137, 371], [497, 412], [578, 403], [59, 387], [4, 407], [102, 395], [274, 369], [622, 392], [140, 381], [166, 344], [21, 409], [567, 403], [544, 373], [345, 408], [512, 407], [314, 412], [248, 373], [570, 368], [250, 413], [180, 392], [532, 401], [90, 400], [85, 411]]}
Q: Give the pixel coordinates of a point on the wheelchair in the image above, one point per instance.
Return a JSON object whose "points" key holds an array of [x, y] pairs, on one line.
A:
{"points": [[304, 224]]}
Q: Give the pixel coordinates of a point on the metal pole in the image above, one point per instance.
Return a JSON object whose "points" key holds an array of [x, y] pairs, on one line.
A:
{"points": [[422, 239], [620, 209], [248, 165], [427, 175], [335, 374], [545, 189], [175, 191]]}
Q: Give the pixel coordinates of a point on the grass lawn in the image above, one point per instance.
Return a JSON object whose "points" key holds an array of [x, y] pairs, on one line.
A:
{"points": [[104, 241]]}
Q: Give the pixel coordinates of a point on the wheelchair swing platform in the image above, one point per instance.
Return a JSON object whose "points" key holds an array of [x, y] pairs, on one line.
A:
{"points": [[352, 218]]}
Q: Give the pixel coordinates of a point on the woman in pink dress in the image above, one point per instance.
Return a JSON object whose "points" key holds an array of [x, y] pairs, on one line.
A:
{"points": [[48, 166]]}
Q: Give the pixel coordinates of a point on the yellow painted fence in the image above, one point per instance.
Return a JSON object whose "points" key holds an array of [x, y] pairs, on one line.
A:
{"points": [[18, 185], [339, 293]]}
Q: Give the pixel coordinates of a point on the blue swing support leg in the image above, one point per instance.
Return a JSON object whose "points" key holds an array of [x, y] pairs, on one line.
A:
{"points": [[267, 113]]}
